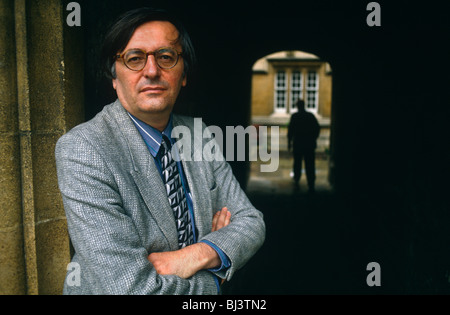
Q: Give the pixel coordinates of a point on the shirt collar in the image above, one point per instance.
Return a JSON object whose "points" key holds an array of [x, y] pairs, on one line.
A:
{"points": [[152, 136]]}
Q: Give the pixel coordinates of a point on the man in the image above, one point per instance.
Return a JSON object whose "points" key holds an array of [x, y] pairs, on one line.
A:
{"points": [[141, 222], [303, 132]]}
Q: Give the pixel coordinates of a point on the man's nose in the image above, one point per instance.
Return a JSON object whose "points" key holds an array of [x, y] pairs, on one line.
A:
{"points": [[151, 68]]}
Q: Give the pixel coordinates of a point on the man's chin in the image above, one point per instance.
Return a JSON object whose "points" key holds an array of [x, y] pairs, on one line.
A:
{"points": [[155, 107]]}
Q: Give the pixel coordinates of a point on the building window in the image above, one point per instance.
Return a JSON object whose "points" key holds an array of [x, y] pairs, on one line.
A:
{"points": [[294, 84], [296, 89], [312, 91], [281, 91]]}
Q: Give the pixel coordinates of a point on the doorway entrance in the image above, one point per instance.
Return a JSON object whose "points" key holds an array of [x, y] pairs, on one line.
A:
{"points": [[279, 80]]}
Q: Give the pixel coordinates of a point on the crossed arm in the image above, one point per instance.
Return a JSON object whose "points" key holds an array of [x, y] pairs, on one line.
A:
{"points": [[189, 260]]}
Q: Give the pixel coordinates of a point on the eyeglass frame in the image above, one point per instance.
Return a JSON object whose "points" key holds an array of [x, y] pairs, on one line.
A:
{"points": [[147, 53]]}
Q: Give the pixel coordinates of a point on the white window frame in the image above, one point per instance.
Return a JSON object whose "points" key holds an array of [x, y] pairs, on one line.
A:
{"points": [[295, 89], [314, 90], [277, 89]]}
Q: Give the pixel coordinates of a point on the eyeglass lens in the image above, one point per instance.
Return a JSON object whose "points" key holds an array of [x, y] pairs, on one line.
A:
{"points": [[165, 58]]}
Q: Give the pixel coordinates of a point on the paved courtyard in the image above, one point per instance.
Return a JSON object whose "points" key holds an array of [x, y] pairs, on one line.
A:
{"points": [[280, 181]]}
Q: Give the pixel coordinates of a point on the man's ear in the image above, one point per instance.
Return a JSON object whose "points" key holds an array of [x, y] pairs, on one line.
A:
{"points": [[184, 82], [114, 75]]}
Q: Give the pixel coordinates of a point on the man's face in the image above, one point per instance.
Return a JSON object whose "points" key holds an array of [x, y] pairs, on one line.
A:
{"points": [[151, 91]]}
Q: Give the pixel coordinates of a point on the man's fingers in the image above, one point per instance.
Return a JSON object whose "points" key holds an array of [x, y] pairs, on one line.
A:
{"points": [[214, 222], [221, 219], [227, 218]]}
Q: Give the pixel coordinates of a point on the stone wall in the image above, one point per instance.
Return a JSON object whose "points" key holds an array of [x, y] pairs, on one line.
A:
{"points": [[40, 99]]}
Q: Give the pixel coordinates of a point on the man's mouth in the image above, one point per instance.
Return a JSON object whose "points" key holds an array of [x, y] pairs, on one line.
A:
{"points": [[153, 89]]}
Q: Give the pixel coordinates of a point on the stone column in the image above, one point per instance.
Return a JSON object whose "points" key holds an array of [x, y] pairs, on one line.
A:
{"points": [[12, 258], [41, 96]]}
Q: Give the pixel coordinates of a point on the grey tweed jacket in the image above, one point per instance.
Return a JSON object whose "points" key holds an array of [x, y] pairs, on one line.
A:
{"points": [[117, 209]]}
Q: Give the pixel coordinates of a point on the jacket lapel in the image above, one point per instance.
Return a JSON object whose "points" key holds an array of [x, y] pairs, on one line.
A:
{"points": [[146, 176]]}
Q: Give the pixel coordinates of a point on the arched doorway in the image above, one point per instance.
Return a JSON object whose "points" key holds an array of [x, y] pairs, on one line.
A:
{"points": [[278, 81]]}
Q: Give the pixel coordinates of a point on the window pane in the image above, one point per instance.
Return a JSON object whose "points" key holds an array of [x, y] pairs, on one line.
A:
{"points": [[312, 91], [296, 89], [281, 79], [281, 99], [312, 79], [280, 90]]}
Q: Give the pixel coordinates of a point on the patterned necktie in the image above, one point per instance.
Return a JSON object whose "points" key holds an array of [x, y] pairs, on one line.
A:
{"points": [[175, 194]]}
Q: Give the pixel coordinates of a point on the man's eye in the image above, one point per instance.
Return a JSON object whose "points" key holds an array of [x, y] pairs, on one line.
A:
{"points": [[166, 57], [135, 59]]}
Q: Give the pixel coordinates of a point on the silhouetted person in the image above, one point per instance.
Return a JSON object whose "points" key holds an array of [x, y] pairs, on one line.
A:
{"points": [[302, 137]]}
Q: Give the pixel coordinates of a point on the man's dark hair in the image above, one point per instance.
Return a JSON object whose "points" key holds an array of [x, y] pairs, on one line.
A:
{"points": [[300, 104], [123, 28]]}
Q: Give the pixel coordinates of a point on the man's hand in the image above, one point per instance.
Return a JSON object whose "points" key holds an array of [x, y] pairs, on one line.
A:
{"points": [[187, 261]]}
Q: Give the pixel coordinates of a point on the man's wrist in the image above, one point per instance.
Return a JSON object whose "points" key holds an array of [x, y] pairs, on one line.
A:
{"points": [[224, 260], [207, 256]]}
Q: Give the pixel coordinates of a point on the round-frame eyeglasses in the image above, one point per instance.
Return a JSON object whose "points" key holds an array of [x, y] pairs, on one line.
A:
{"points": [[135, 59]]}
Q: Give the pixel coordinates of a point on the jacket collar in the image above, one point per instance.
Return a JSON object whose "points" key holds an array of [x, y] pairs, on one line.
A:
{"points": [[152, 136]]}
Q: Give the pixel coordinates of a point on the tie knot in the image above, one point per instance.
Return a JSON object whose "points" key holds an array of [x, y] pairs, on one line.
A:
{"points": [[165, 143]]}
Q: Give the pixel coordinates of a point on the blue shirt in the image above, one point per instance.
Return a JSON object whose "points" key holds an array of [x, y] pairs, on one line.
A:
{"points": [[153, 137]]}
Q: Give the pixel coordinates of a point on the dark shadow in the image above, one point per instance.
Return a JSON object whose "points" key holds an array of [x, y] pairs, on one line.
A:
{"points": [[305, 252]]}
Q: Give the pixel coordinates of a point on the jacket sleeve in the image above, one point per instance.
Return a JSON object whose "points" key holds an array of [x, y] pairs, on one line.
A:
{"points": [[108, 248]]}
